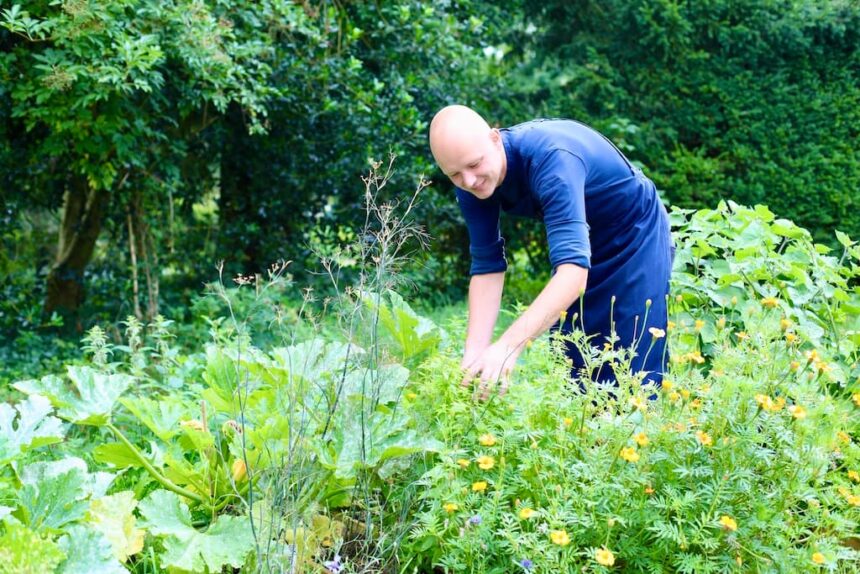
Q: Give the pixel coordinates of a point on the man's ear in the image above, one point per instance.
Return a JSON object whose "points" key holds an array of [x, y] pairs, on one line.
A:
{"points": [[495, 136]]}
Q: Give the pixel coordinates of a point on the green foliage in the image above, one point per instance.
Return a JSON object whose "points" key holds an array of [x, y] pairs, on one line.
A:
{"points": [[91, 398], [22, 550], [33, 427], [227, 541]]}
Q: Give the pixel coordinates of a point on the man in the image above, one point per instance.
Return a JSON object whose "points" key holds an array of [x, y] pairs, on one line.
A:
{"points": [[607, 230]]}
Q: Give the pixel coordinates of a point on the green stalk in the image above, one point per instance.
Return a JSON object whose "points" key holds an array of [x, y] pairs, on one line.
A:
{"points": [[164, 481]]}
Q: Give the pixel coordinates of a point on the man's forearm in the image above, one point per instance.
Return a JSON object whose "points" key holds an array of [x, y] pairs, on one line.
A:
{"points": [[560, 293], [485, 299]]}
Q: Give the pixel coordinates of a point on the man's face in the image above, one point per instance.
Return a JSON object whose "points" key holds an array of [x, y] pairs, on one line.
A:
{"points": [[473, 162]]}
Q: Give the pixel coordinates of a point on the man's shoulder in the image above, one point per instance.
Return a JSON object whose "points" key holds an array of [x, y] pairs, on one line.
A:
{"points": [[545, 134]]}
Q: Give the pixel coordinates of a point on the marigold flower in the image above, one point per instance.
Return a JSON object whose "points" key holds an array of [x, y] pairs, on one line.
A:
{"points": [[667, 385], [794, 365], [670, 325], [604, 557], [486, 462], [567, 421], [685, 393], [843, 436], [657, 333], [673, 396], [526, 513], [697, 357], [696, 403], [464, 463], [728, 523], [698, 324], [641, 439], [818, 558], [704, 438], [812, 355], [451, 507], [770, 302], [854, 475], [784, 324], [479, 486], [797, 412], [853, 499], [648, 490], [411, 396], [639, 402], [856, 398], [742, 336], [559, 537], [790, 338], [629, 454], [487, 439]]}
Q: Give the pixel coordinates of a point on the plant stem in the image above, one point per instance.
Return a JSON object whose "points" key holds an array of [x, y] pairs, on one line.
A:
{"points": [[164, 481]]}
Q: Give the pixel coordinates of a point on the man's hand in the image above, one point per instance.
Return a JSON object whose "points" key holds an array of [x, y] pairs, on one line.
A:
{"points": [[491, 367]]}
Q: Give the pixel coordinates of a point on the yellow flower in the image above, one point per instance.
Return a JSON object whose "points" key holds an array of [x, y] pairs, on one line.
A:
{"points": [[794, 365], [697, 357], [856, 398], [797, 412], [854, 475], [411, 396], [673, 396], [812, 355], [526, 513], [641, 439], [818, 558], [464, 463], [742, 336], [728, 523], [699, 324], [239, 470], [629, 454], [764, 401], [704, 438], [770, 302], [657, 333], [667, 385], [639, 402], [479, 486], [604, 557], [706, 389], [679, 298], [784, 324], [853, 499], [451, 507], [648, 490], [734, 300], [486, 462], [192, 424], [696, 403], [487, 439], [721, 323], [529, 344], [843, 436], [559, 537], [790, 338], [670, 325], [778, 404], [685, 393], [567, 421]]}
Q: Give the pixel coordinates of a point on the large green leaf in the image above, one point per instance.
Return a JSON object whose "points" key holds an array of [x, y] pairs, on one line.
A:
{"points": [[89, 552], [227, 542], [113, 516], [35, 427], [24, 551], [90, 399], [55, 494], [161, 416]]}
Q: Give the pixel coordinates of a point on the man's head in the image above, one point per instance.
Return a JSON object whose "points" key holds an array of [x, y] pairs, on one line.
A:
{"points": [[467, 150]]}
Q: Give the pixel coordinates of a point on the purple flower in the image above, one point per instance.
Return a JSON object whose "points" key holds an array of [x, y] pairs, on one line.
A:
{"points": [[334, 566], [475, 520], [526, 564]]}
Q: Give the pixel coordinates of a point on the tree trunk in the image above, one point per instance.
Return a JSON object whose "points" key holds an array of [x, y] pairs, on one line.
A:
{"points": [[83, 210]]}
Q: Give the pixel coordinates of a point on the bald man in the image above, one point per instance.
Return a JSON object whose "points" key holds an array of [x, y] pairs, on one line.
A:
{"points": [[608, 235]]}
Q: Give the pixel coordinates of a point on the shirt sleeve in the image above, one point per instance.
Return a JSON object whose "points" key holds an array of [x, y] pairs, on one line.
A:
{"points": [[559, 183], [486, 245]]}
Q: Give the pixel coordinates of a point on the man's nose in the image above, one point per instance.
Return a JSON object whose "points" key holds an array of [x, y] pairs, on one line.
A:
{"points": [[469, 179]]}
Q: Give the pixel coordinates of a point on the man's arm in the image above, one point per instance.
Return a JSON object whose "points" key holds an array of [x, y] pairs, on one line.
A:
{"points": [[495, 363], [485, 299]]}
